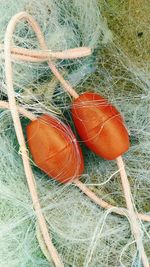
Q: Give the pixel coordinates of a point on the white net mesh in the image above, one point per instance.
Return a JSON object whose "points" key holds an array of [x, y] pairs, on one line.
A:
{"points": [[84, 234]]}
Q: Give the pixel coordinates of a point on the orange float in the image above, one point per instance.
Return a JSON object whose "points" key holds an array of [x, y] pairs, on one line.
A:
{"points": [[54, 148], [100, 125]]}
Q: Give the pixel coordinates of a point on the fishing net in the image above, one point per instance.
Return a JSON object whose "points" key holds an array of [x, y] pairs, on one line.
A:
{"points": [[84, 234]]}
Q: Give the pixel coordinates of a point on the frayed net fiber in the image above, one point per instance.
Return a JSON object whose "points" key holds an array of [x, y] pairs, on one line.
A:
{"points": [[84, 234], [64, 25]]}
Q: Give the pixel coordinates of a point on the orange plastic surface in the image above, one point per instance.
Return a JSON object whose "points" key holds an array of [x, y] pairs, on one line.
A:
{"points": [[54, 148], [100, 125]]}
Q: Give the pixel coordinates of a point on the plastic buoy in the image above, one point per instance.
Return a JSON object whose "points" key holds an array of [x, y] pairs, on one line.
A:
{"points": [[100, 125], [54, 148]]}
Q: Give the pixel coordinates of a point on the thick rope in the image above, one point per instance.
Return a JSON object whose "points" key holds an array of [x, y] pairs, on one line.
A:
{"points": [[18, 128]]}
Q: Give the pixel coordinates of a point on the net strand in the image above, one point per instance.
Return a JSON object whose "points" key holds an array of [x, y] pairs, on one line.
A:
{"points": [[134, 222]]}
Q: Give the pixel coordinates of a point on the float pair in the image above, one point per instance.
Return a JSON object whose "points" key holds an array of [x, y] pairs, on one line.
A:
{"points": [[55, 149]]}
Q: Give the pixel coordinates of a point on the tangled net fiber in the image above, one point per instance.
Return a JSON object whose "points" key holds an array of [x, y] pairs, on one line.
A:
{"points": [[84, 234]]}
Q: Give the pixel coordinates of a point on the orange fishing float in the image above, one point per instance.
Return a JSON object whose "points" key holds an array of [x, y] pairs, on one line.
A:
{"points": [[54, 148], [100, 125]]}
